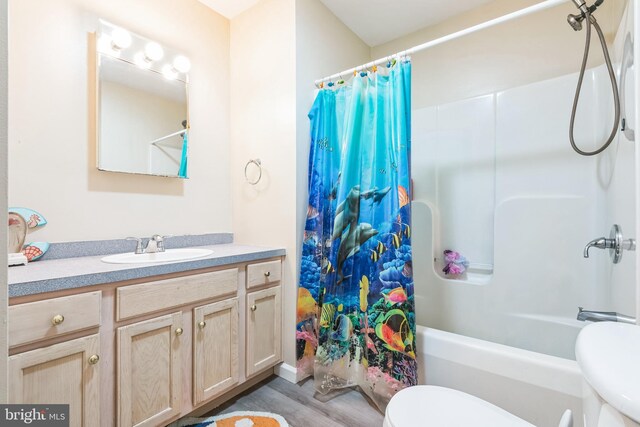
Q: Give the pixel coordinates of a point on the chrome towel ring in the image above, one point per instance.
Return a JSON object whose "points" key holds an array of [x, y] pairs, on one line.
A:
{"points": [[246, 168]]}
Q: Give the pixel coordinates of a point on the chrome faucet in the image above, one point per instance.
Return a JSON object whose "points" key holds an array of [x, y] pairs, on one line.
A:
{"points": [[604, 316], [139, 249], [615, 243], [600, 243], [155, 244]]}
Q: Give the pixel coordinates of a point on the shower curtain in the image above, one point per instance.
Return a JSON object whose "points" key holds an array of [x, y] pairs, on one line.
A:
{"points": [[355, 314]]}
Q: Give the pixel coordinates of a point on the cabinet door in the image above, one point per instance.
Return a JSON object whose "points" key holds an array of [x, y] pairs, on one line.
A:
{"points": [[264, 341], [149, 371], [215, 349], [65, 373]]}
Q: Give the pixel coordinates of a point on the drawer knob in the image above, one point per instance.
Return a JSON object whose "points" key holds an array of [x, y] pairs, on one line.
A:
{"points": [[267, 273], [57, 319], [94, 359], [202, 324], [254, 307], [179, 332]]}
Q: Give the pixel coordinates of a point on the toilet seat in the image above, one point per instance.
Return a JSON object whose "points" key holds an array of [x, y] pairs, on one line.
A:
{"points": [[432, 406]]}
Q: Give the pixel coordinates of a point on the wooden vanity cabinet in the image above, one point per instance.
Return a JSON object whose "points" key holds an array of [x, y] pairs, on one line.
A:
{"points": [[149, 371], [64, 373], [215, 349], [264, 335], [171, 345]]}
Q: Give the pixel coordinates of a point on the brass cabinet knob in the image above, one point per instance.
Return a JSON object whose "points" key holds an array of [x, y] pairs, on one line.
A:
{"points": [[57, 319], [202, 324], [179, 332], [94, 359], [267, 274], [254, 307]]}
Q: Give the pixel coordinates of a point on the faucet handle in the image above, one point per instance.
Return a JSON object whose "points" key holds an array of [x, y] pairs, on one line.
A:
{"points": [[615, 243], [138, 245], [160, 241]]}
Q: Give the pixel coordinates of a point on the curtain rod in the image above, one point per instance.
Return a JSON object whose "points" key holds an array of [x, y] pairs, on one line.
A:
{"points": [[514, 15], [168, 136]]}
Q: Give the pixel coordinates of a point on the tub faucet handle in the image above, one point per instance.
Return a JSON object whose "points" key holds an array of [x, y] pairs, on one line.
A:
{"points": [[615, 243], [600, 243]]}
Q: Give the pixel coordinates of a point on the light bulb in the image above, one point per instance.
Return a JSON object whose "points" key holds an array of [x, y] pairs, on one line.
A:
{"points": [[120, 39], [153, 51], [141, 61], [181, 64], [105, 46], [168, 72]]}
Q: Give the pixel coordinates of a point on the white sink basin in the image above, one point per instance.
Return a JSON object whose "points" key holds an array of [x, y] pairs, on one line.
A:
{"points": [[168, 255], [607, 354]]}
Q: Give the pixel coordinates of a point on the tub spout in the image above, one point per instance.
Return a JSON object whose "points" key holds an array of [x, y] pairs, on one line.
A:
{"points": [[604, 316]]}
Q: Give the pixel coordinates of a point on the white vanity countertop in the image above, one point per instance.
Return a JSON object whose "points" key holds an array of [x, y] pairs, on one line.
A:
{"points": [[69, 273]]}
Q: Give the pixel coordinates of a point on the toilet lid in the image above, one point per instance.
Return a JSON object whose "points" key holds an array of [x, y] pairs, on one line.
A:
{"points": [[431, 406]]}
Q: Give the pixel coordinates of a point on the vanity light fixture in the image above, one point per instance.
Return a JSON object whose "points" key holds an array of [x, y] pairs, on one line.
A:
{"points": [[146, 54], [169, 72], [120, 39], [141, 61], [181, 64], [153, 52], [113, 44], [105, 46]]}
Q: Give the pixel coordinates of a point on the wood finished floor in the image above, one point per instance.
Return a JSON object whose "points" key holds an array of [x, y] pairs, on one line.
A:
{"points": [[297, 404]]}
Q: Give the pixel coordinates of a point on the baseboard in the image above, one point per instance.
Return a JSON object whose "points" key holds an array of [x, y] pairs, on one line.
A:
{"points": [[289, 373]]}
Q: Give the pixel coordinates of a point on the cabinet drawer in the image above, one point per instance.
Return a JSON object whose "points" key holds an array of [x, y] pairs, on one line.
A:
{"points": [[40, 320], [149, 297], [263, 273]]}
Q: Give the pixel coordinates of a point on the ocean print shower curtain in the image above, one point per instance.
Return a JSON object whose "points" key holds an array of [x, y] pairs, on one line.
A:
{"points": [[355, 314]]}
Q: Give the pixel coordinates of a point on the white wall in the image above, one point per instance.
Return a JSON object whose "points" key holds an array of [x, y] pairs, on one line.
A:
{"points": [[534, 48], [3, 199], [615, 182], [294, 43], [263, 124], [51, 144]]}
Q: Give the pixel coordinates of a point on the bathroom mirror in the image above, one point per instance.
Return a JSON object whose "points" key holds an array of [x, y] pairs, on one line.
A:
{"points": [[142, 113]]}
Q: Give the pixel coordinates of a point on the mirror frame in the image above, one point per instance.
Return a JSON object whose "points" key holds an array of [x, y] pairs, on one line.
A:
{"points": [[95, 54]]}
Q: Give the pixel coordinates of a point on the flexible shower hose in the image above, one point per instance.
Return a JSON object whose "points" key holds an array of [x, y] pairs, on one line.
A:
{"points": [[614, 86]]}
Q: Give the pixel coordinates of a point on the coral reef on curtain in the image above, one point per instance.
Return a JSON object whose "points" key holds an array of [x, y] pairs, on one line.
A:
{"points": [[355, 314]]}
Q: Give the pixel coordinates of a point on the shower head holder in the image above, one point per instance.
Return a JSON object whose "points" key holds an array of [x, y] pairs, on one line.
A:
{"points": [[575, 21]]}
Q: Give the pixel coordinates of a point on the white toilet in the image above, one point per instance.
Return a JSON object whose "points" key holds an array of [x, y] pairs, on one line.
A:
{"points": [[432, 406], [607, 354]]}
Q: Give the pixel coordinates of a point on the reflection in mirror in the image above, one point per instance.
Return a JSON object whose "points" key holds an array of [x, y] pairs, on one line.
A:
{"points": [[142, 105]]}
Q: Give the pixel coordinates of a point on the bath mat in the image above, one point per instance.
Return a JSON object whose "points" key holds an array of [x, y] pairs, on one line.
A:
{"points": [[235, 419]]}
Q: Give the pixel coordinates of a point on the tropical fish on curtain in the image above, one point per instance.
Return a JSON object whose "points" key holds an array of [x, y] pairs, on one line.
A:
{"points": [[355, 314]]}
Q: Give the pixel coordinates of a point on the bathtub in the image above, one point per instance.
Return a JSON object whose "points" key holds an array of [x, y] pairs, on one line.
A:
{"points": [[534, 386]]}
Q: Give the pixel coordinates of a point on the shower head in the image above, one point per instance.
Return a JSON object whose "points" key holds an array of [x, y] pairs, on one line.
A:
{"points": [[575, 21]]}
